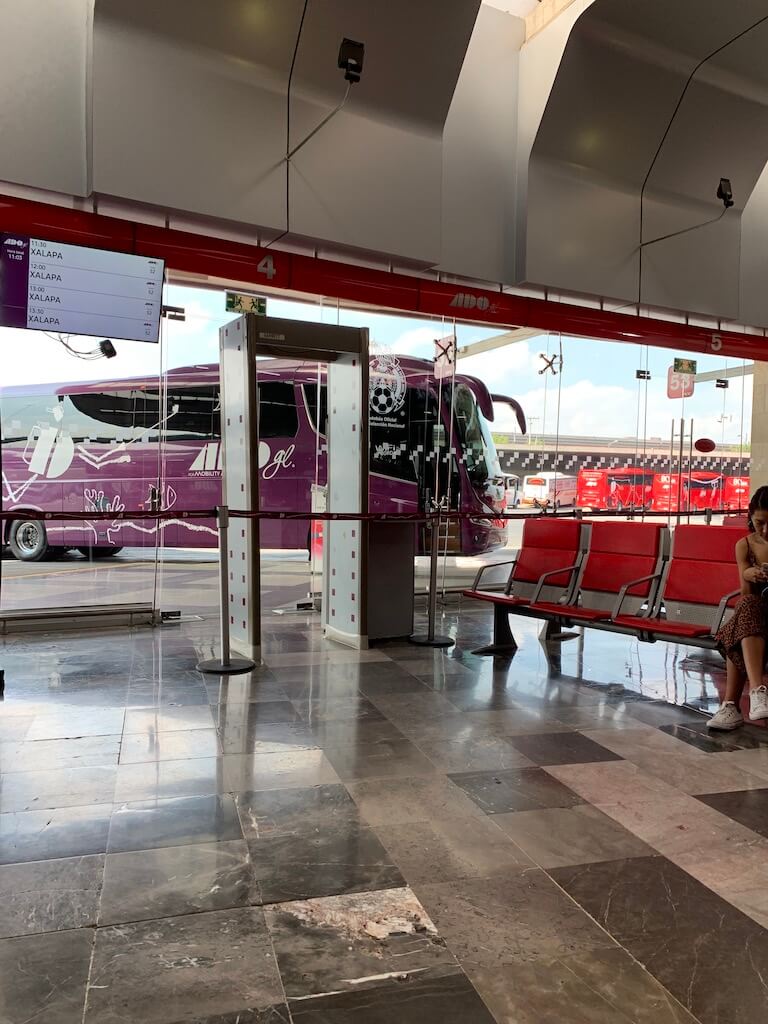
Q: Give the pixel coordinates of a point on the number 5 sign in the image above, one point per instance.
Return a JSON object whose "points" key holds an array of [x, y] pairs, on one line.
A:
{"points": [[679, 385]]}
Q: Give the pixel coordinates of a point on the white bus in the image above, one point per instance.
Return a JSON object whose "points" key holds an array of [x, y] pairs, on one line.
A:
{"points": [[548, 490]]}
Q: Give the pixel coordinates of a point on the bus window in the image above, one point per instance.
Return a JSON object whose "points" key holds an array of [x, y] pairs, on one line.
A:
{"points": [[310, 398], [277, 409]]}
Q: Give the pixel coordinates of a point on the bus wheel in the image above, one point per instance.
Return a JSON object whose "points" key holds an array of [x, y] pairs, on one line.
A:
{"points": [[27, 540], [99, 552]]}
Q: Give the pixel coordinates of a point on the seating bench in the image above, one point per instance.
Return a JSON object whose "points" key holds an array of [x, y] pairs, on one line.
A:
{"points": [[619, 576]]}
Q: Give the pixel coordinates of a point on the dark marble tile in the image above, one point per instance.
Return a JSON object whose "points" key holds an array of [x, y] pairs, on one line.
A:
{"points": [[514, 917], [288, 812], [177, 880], [383, 759], [49, 895], [150, 721], [748, 807], [145, 693], [395, 681], [604, 986], [351, 943], [244, 689], [147, 825], [169, 746], [523, 789], [328, 861], [559, 836], [54, 834], [709, 955], [199, 967], [61, 787], [43, 977], [42, 755], [252, 1015], [442, 851], [562, 748], [442, 998]]}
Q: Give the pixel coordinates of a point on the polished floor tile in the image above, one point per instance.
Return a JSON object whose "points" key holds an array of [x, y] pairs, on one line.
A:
{"points": [[296, 811], [49, 895], [150, 824], [163, 780], [397, 801], [150, 721], [43, 977], [14, 728], [709, 955], [183, 968], [169, 746], [516, 917], [559, 836], [438, 998], [60, 787], [514, 789], [107, 722], [749, 808], [292, 769], [329, 861], [53, 834], [603, 986], [80, 752], [442, 851], [172, 881], [562, 748], [350, 943], [382, 759]]}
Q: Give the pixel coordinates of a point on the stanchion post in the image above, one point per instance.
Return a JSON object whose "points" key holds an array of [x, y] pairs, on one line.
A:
{"points": [[429, 639], [226, 665]]}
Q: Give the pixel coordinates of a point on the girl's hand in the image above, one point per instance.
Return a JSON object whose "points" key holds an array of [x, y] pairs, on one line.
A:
{"points": [[755, 575]]}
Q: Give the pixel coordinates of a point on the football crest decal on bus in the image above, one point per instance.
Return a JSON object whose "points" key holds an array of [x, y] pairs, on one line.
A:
{"points": [[387, 385]]}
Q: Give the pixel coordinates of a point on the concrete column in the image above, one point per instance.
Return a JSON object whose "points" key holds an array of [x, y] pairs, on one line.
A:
{"points": [[759, 439]]}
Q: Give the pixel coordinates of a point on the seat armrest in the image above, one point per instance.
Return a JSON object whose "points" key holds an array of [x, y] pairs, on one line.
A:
{"points": [[720, 613], [570, 569], [494, 565], [616, 611]]}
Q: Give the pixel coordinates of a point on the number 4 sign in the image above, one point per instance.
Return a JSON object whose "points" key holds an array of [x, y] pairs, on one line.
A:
{"points": [[679, 385]]}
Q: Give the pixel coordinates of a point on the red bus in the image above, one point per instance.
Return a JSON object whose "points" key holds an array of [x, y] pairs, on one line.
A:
{"points": [[619, 488], [736, 492], [704, 491]]}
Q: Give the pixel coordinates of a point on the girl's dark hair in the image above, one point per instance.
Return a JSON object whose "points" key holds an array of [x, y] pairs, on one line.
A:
{"points": [[757, 503]]}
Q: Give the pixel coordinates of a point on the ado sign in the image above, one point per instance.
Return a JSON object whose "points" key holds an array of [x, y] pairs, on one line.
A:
{"points": [[679, 385]]}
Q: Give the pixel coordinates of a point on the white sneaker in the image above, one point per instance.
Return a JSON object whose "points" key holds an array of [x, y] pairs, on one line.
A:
{"points": [[727, 717], [758, 704]]}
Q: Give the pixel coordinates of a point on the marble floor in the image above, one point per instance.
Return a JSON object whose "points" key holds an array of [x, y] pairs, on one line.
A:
{"points": [[397, 835]]}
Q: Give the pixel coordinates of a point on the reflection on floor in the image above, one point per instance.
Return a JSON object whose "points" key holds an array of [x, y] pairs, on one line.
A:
{"points": [[397, 835]]}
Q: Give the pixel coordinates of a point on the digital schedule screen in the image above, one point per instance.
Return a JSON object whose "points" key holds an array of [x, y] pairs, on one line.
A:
{"points": [[71, 289]]}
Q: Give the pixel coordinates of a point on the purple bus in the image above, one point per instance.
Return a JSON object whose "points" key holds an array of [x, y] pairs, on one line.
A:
{"points": [[117, 445]]}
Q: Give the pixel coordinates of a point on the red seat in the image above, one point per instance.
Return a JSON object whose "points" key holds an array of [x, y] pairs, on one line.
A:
{"points": [[571, 611], [661, 626], [618, 554], [702, 571]]}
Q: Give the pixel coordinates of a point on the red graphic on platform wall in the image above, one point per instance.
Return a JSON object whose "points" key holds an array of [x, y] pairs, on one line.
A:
{"points": [[679, 385]]}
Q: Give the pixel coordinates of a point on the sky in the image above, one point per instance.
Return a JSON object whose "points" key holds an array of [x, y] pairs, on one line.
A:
{"points": [[595, 394]]}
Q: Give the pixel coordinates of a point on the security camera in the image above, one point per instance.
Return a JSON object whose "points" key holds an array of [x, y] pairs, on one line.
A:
{"points": [[725, 192], [351, 56]]}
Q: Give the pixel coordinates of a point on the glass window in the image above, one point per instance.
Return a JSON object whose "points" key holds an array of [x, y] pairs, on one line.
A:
{"points": [[310, 397], [479, 451]]}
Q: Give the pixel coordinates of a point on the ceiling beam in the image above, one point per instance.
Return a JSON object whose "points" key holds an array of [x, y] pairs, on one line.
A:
{"points": [[497, 341]]}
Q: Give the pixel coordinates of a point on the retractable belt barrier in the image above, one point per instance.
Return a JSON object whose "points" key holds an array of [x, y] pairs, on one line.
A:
{"points": [[377, 517], [226, 664]]}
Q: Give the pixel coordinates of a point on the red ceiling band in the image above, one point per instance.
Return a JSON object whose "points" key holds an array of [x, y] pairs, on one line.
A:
{"points": [[236, 261]]}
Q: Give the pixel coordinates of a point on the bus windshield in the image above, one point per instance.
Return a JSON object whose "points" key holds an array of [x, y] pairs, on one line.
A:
{"points": [[481, 459]]}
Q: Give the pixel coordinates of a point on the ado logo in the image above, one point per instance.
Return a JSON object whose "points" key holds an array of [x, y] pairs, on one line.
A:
{"points": [[387, 385]]}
